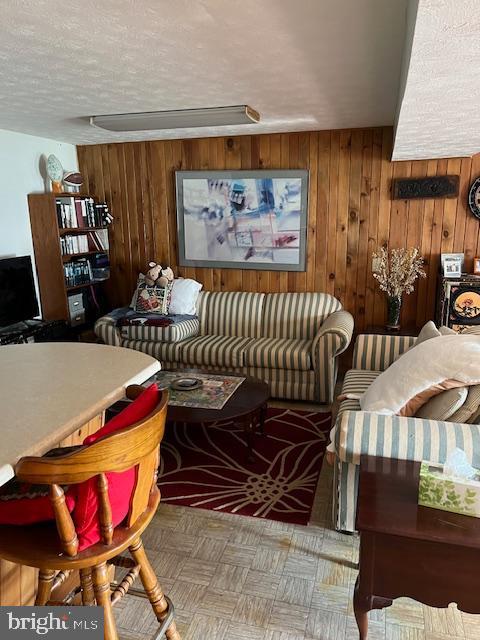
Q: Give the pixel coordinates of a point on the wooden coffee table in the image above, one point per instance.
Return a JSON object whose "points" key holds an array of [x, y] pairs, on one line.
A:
{"points": [[246, 408], [411, 551]]}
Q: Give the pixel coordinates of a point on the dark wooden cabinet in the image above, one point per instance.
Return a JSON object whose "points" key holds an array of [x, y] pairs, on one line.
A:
{"points": [[458, 302]]}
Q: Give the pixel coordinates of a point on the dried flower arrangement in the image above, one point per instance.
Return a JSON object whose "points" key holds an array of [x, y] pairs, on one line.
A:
{"points": [[396, 271]]}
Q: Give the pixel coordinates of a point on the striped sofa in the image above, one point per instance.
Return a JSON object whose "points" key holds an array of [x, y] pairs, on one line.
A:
{"points": [[358, 432], [291, 340]]}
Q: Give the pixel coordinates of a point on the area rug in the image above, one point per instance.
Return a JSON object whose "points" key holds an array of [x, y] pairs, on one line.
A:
{"points": [[206, 466]]}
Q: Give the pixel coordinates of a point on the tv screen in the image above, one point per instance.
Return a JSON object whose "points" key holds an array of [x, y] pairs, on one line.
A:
{"points": [[18, 300]]}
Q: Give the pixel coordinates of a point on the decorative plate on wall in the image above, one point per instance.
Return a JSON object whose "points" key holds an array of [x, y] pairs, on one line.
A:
{"points": [[474, 198]]}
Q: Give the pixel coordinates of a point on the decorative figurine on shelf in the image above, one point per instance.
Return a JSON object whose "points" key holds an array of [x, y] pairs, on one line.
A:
{"points": [[55, 173], [396, 271], [72, 180]]}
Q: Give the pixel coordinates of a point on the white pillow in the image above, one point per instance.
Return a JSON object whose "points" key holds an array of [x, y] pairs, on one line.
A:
{"points": [[184, 297], [432, 366]]}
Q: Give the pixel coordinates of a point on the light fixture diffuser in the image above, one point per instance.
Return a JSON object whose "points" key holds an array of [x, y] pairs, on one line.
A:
{"points": [[180, 119]]}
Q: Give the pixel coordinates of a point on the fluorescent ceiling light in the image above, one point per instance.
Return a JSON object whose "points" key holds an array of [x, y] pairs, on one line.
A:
{"points": [[181, 119]]}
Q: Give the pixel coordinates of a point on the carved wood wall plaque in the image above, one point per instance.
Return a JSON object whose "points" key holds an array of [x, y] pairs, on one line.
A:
{"points": [[431, 187]]}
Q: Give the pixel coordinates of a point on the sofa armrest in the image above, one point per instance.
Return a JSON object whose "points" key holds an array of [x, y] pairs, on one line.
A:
{"points": [[106, 327], [360, 433], [331, 340], [374, 352], [338, 325]]}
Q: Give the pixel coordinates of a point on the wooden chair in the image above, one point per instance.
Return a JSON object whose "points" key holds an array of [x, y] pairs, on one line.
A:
{"points": [[57, 555]]}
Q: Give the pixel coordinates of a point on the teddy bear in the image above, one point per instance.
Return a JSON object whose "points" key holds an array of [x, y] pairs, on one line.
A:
{"points": [[158, 276], [153, 274]]}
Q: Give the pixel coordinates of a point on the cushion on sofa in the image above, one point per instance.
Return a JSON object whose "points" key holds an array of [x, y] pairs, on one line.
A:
{"points": [[279, 353], [180, 329], [230, 313], [162, 351], [470, 408], [296, 315], [220, 351], [444, 405], [429, 330], [428, 369], [356, 382], [184, 296]]}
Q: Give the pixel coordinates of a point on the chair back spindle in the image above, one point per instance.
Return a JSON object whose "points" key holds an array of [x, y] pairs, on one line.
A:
{"points": [[65, 527], [104, 509]]}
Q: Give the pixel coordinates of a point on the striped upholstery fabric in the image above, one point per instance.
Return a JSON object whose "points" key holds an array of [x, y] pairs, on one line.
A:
{"points": [[105, 328], [468, 412], [356, 381], [331, 340], [279, 353], [296, 315], [299, 360], [173, 333], [376, 352], [231, 313], [289, 384], [359, 432], [162, 351], [221, 351]]}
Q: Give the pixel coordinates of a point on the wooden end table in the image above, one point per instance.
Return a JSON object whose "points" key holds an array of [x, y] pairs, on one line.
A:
{"points": [[246, 408], [411, 551]]}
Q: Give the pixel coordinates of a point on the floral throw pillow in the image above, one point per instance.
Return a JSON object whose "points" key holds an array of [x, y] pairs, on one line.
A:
{"points": [[151, 299]]}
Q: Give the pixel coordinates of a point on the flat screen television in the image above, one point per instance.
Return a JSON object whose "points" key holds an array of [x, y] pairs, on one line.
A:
{"points": [[18, 300]]}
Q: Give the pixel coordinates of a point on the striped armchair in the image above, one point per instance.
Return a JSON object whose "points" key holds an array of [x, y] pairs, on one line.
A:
{"points": [[358, 432], [291, 340]]}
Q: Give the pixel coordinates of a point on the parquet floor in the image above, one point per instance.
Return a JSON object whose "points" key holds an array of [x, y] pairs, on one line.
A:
{"points": [[237, 578]]}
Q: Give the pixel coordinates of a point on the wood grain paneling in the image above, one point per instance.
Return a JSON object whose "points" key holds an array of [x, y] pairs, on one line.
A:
{"points": [[350, 212]]}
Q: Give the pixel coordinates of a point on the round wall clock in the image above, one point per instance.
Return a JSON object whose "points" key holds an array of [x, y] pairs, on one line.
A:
{"points": [[474, 198]]}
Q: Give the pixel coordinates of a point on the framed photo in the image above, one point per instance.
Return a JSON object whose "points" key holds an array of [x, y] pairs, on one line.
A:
{"points": [[476, 266], [242, 219], [452, 264]]}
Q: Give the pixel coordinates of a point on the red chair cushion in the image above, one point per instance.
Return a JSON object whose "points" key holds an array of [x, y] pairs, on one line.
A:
{"points": [[120, 485], [24, 504]]}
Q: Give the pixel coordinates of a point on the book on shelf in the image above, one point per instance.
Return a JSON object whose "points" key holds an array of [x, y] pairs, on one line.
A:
{"points": [[84, 243], [78, 272], [77, 212]]}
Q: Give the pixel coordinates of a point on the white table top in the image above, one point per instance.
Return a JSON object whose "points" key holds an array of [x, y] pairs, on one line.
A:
{"points": [[47, 390]]}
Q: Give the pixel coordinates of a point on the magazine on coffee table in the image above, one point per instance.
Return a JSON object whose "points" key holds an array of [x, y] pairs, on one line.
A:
{"points": [[213, 394]]}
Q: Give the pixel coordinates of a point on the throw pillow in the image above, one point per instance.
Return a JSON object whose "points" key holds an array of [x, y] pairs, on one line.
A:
{"points": [[430, 368], [429, 330], [151, 299], [185, 292], [443, 406], [468, 411]]}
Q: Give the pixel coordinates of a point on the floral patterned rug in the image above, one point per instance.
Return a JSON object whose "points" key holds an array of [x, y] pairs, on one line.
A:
{"points": [[207, 467]]}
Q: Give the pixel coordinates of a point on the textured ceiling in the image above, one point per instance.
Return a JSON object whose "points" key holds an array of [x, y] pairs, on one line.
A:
{"points": [[310, 64], [439, 114]]}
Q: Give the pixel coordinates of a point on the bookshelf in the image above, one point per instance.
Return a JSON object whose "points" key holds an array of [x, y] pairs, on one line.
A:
{"points": [[63, 292]]}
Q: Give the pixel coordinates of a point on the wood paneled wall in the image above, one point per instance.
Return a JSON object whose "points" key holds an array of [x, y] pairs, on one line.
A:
{"points": [[350, 212]]}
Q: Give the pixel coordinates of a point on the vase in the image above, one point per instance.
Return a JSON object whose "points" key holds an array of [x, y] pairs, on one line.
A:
{"points": [[394, 305]]}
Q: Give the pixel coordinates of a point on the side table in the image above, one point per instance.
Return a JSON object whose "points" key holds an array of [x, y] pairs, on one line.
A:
{"points": [[411, 551]]}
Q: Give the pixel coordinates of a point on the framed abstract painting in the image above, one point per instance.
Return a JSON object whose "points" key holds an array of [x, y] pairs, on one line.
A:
{"points": [[242, 219]]}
